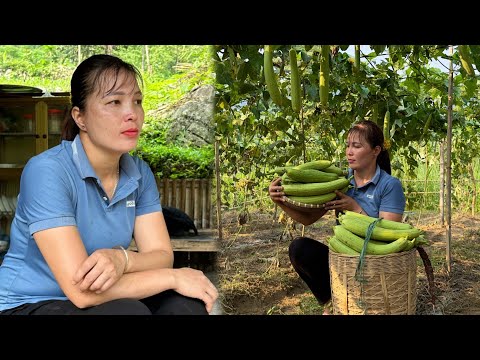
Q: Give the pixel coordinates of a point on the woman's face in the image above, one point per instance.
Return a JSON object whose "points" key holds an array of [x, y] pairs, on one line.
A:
{"points": [[360, 154], [113, 119]]}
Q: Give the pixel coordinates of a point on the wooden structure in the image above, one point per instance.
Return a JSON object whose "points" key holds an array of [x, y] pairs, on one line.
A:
{"points": [[29, 124], [194, 197], [204, 242]]}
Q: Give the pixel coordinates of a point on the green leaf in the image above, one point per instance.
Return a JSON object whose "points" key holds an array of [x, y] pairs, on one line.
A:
{"points": [[305, 57], [222, 75], [378, 48], [242, 71], [363, 90], [470, 86], [246, 88], [475, 50], [281, 123], [312, 92]]}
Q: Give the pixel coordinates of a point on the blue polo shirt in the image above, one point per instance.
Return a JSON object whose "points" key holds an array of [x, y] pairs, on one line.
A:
{"points": [[58, 188], [383, 193]]}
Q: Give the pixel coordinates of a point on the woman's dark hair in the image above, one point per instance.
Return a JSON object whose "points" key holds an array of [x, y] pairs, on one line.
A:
{"points": [[87, 78], [373, 135]]}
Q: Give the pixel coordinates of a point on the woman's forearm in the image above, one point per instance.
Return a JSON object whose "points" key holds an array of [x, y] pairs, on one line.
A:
{"points": [[137, 285], [141, 261]]}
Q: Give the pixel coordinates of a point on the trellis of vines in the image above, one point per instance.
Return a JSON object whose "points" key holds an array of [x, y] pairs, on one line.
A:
{"points": [[256, 134]]}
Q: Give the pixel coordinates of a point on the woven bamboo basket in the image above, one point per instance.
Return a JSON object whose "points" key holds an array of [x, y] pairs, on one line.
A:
{"points": [[389, 285]]}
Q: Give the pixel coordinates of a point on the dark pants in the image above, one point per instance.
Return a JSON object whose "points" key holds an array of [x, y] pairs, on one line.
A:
{"points": [[309, 258], [166, 303]]}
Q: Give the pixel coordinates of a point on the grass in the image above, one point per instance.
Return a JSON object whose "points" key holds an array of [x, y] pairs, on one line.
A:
{"points": [[310, 306]]}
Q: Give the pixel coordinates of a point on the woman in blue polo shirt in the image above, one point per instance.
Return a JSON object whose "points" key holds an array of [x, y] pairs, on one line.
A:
{"points": [[374, 192], [79, 206]]}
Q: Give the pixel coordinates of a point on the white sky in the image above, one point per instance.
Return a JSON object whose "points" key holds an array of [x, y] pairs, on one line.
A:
{"points": [[366, 50]]}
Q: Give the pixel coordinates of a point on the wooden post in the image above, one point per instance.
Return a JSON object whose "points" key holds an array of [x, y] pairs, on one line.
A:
{"points": [[178, 194], [166, 188], [188, 198], [210, 211], [205, 202], [425, 183], [160, 190], [197, 203], [182, 190], [474, 182], [442, 183], [219, 198], [169, 187], [173, 192], [449, 163]]}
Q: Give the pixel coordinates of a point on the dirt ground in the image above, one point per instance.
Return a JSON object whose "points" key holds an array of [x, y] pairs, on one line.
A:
{"points": [[256, 278]]}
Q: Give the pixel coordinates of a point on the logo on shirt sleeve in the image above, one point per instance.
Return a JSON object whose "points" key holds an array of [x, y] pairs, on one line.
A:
{"points": [[130, 203]]}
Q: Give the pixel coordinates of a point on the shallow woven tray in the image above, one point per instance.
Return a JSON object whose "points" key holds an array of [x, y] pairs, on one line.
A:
{"points": [[303, 205]]}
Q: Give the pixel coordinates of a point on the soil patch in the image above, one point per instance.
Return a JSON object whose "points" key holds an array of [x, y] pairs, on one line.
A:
{"points": [[256, 277]]}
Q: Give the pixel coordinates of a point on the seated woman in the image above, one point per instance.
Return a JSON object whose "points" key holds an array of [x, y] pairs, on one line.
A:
{"points": [[81, 203]]}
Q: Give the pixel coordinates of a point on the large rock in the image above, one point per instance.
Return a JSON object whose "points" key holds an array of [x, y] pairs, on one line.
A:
{"points": [[192, 117]]}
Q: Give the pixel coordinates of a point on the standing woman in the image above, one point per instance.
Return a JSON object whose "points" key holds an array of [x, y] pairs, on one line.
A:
{"points": [[374, 193], [79, 206]]}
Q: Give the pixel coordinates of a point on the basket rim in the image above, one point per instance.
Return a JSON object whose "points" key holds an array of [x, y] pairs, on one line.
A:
{"points": [[401, 253]]}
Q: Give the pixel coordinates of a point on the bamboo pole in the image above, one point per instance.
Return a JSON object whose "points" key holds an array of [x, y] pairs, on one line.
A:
{"points": [[425, 182], [474, 195], [304, 150], [197, 204], [219, 198], [178, 194], [442, 182], [188, 197], [210, 211], [169, 187], [173, 187], [449, 162], [183, 189], [160, 190], [205, 203], [357, 58]]}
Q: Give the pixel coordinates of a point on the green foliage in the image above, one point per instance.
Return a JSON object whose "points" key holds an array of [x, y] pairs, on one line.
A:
{"points": [[50, 67], [174, 71], [170, 90], [256, 135], [175, 162], [35, 65]]}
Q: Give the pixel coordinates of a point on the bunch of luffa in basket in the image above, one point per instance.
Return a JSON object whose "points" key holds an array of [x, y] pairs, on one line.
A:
{"points": [[387, 237], [313, 183]]}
